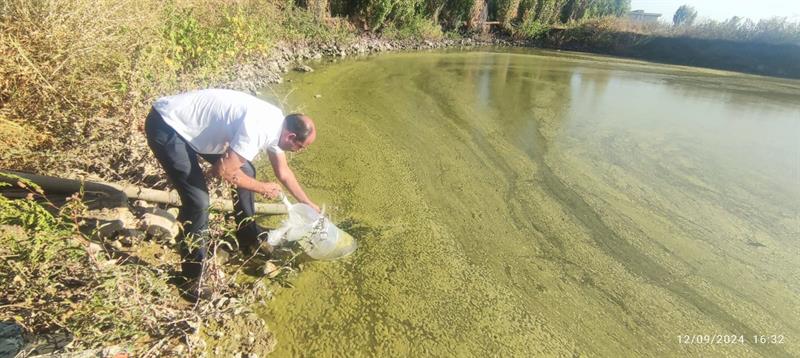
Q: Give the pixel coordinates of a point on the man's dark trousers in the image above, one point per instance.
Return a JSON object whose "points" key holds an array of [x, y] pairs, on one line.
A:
{"points": [[179, 161]]}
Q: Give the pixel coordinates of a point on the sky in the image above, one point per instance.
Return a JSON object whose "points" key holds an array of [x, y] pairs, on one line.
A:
{"points": [[723, 9]]}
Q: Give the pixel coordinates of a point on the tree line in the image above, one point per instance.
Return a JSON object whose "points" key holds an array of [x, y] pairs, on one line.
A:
{"points": [[455, 15]]}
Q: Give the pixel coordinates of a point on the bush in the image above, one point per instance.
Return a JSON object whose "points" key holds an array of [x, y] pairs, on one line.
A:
{"points": [[193, 44], [529, 29], [418, 27]]}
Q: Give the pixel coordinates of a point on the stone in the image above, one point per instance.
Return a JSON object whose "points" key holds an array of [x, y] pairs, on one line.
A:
{"points": [[304, 68], [160, 224], [107, 223], [47, 345], [141, 204], [221, 257], [10, 339], [271, 270], [118, 245]]}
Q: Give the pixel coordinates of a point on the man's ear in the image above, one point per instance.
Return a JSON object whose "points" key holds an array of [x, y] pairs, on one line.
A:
{"points": [[291, 136]]}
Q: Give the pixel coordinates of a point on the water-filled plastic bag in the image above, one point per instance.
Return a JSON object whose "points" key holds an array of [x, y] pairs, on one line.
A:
{"points": [[315, 233]]}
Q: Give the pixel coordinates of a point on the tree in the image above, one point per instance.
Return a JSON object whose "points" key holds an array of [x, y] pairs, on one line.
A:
{"points": [[685, 15], [601, 8], [622, 7]]}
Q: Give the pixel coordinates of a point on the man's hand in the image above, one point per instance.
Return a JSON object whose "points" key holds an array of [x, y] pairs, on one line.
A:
{"points": [[229, 167], [270, 190], [287, 178]]}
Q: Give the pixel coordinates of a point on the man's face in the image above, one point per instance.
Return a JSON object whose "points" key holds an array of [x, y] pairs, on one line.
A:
{"points": [[296, 145]]}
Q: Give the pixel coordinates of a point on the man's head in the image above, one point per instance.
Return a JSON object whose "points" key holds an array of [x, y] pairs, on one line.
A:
{"points": [[298, 132]]}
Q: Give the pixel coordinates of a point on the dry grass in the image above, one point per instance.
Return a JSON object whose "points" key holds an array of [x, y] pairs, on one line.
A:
{"points": [[83, 73], [60, 281], [76, 72]]}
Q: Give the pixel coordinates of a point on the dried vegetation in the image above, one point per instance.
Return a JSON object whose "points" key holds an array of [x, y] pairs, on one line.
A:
{"points": [[92, 292]]}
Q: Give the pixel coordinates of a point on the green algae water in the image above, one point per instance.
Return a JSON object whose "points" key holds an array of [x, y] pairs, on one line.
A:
{"points": [[532, 203]]}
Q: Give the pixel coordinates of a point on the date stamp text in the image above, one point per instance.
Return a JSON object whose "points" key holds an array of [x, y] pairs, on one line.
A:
{"points": [[731, 339]]}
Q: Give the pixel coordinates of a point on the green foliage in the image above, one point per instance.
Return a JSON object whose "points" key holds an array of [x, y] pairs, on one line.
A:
{"points": [[602, 8], [685, 15], [296, 24], [530, 28], [576, 10], [36, 259], [527, 9], [379, 14], [452, 14], [506, 11], [191, 42], [546, 11], [418, 27], [28, 214], [201, 42]]}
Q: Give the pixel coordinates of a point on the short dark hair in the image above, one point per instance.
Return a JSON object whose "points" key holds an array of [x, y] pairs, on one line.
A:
{"points": [[298, 124]]}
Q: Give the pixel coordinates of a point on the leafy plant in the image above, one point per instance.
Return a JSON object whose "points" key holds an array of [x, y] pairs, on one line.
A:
{"points": [[530, 28]]}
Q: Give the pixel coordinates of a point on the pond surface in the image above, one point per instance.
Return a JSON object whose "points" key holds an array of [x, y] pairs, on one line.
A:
{"points": [[520, 202]]}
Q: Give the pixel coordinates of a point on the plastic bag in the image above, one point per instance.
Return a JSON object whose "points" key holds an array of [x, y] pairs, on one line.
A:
{"points": [[315, 233]]}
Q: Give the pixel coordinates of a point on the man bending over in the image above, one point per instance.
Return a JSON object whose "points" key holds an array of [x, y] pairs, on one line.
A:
{"points": [[228, 129]]}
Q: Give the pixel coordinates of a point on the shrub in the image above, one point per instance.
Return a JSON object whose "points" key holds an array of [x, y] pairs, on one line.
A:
{"points": [[418, 27], [530, 28]]}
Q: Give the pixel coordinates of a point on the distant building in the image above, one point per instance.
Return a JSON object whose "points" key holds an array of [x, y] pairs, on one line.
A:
{"points": [[641, 16]]}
